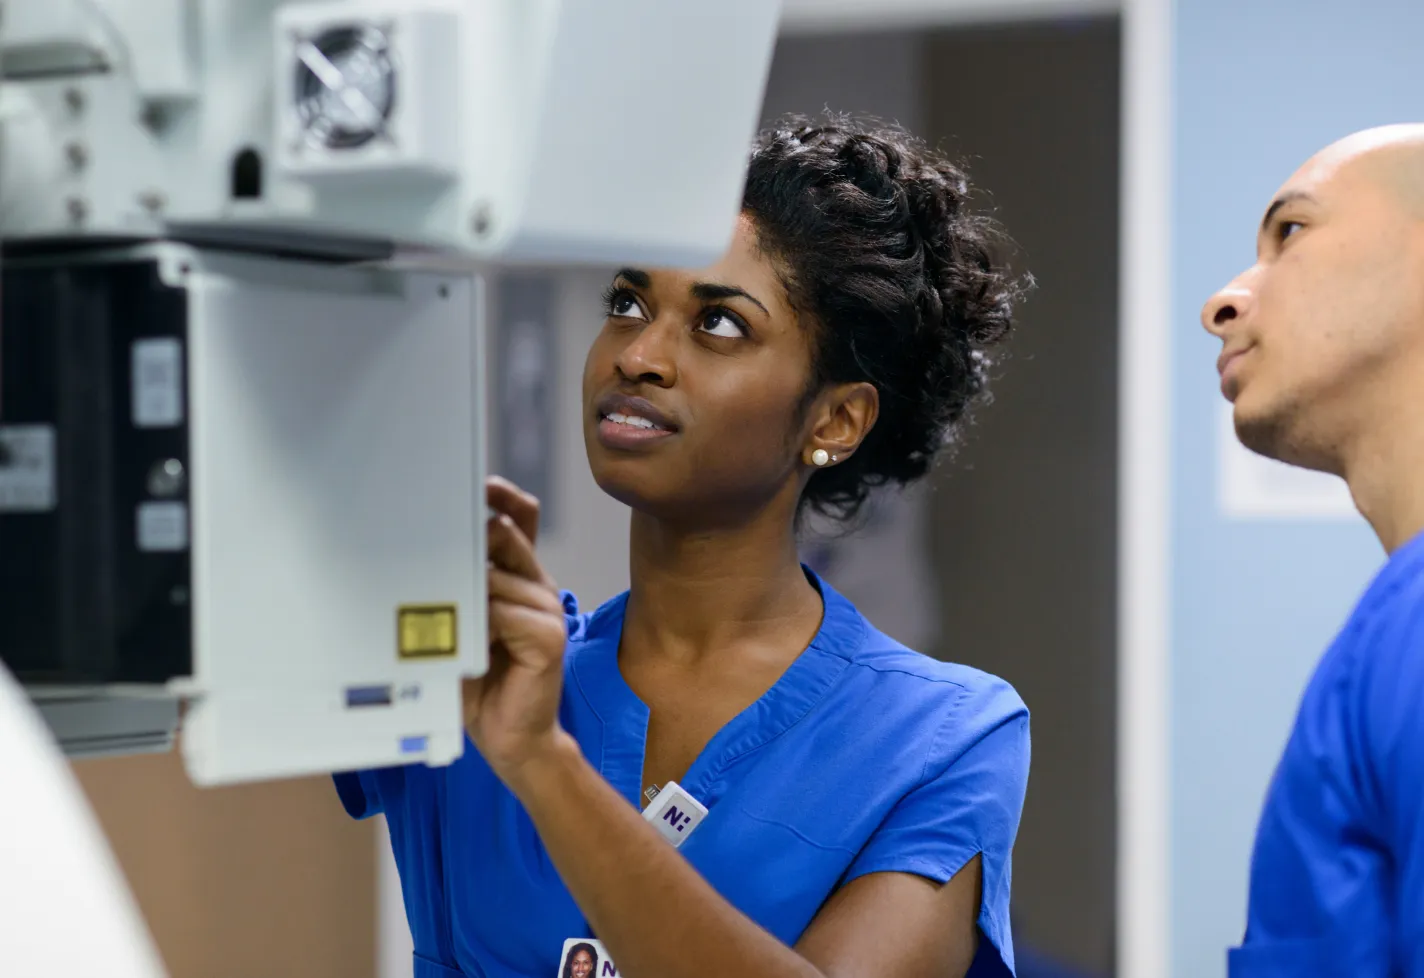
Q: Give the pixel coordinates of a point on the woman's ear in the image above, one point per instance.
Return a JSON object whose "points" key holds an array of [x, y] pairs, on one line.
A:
{"points": [[844, 415]]}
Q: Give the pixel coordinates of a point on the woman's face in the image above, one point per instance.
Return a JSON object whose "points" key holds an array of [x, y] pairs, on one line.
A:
{"points": [[692, 388], [582, 965]]}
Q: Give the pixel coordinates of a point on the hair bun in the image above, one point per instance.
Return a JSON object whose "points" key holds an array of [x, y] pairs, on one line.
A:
{"points": [[907, 288]]}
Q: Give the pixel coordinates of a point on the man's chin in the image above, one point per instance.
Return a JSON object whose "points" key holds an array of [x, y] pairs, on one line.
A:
{"points": [[1260, 432], [1279, 435]]}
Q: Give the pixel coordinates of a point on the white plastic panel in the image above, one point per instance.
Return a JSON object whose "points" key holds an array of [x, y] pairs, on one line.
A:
{"points": [[49, 35], [337, 476], [57, 872], [532, 131], [639, 133], [160, 41]]}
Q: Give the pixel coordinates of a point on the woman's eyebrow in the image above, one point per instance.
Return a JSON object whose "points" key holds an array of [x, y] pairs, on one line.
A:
{"points": [[709, 291], [636, 277]]}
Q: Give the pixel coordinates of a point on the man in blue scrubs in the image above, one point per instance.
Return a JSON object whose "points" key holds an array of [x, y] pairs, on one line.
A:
{"points": [[1323, 359]]}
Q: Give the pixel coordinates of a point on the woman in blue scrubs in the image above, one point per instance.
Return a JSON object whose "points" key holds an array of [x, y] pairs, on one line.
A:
{"points": [[824, 800]]}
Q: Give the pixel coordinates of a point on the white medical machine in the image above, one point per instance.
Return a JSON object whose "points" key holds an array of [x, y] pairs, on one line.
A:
{"points": [[242, 373]]}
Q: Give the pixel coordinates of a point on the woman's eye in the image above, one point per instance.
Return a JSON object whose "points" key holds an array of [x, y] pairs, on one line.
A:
{"points": [[624, 305], [1288, 228], [721, 323]]}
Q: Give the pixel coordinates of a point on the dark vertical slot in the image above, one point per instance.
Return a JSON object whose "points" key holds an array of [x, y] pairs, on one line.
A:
{"points": [[246, 175]]}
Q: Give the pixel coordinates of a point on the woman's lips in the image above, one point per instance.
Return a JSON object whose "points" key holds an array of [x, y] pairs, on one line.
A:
{"points": [[628, 435]]}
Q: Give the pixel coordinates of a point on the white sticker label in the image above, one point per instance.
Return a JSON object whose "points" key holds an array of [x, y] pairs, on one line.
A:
{"points": [[674, 813], [157, 383], [162, 527], [27, 480]]}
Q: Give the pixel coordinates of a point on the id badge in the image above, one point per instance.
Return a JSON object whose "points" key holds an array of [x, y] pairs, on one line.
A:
{"points": [[674, 813], [586, 958]]}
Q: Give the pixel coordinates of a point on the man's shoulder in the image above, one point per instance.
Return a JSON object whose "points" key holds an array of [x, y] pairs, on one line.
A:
{"points": [[1397, 592]]}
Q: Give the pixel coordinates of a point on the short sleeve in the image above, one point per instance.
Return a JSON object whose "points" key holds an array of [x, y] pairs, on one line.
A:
{"points": [[359, 793], [577, 622], [968, 804], [367, 793]]}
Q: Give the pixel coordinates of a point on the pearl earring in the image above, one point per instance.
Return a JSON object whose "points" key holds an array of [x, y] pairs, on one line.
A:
{"points": [[820, 456]]}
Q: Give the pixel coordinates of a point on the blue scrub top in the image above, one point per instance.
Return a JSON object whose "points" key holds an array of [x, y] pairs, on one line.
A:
{"points": [[863, 757], [1337, 877]]}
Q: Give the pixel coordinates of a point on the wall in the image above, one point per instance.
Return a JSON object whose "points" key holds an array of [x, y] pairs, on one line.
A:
{"points": [[1258, 88], [586, 545], [266, 879], [809, 16], [878, 74], [1025, 517]]}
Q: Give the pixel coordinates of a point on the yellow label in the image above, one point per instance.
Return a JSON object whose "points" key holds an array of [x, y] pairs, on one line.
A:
{"points": [[425, 631]]}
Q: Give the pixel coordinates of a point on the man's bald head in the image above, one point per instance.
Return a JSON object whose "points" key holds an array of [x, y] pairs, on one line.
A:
{"points": [[1323, 338], [1393, 156]]}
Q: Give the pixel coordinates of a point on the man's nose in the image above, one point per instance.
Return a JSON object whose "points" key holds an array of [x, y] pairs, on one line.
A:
{"points": [[1232, 303]]}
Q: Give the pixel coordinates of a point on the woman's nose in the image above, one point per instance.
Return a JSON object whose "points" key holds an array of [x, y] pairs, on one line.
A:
{"points": [[650, 356]]}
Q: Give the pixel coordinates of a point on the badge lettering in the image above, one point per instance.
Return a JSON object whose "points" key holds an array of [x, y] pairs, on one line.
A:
{"points": [[675, 813], [677, 819]]}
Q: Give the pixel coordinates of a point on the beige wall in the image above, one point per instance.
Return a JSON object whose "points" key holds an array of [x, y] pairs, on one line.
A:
{"points": [[269, 880]]}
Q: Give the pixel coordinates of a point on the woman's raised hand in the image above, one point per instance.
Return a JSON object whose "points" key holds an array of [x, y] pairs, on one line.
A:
{"points": [[512, 712]]}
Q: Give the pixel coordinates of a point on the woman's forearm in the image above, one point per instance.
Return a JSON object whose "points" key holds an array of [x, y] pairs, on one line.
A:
{"points": [[658, 917]]}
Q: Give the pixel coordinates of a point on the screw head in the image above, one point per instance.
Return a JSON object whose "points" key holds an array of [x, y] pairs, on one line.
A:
{"points": [[77, 154], [152, 201], [77, 208], [166, 478], [482, 220], [74, 98]]}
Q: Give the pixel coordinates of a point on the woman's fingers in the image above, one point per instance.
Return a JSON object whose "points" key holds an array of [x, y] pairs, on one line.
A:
{"points": [[505, 497], [515, 589], [510, 550], [531, 637]]}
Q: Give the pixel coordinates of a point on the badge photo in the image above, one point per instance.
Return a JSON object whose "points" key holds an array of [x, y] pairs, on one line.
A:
{"points": [[586, 958]]}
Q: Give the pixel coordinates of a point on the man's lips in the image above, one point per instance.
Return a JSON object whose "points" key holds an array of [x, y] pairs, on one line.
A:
{"points": [[1228, 357], [1226, 366]]}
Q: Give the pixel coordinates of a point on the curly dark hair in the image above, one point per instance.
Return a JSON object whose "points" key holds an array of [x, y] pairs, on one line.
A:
{"points": [[903, 287]]}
